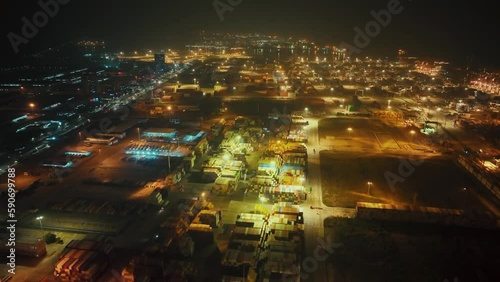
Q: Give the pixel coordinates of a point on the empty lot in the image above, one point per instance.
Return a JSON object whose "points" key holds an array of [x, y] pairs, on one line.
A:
{"points": [[436, 182]]}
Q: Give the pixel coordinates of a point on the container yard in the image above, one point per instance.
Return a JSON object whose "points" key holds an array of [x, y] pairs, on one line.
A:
{"points": [[187, 227], [83, 260], [265, 248]]}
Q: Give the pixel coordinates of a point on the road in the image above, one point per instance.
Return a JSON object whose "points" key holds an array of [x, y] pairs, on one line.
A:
{"points": [[313, 219]]}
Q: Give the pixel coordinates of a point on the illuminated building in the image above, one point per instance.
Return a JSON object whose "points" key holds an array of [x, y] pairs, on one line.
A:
{"points": [[486, 82], [160, 62], [431, 68], [90, 83]]}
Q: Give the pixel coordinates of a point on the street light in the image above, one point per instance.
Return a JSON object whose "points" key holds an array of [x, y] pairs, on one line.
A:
{"points": [[369, 187], [32, 106], [306, 109], [411, 134], [349, 130], [465, 196], [40, 220], [139, 133]]}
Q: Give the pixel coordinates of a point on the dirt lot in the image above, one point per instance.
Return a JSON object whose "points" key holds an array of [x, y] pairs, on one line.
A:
{"points": [[367, 135], [437, 181], [398, 167]]}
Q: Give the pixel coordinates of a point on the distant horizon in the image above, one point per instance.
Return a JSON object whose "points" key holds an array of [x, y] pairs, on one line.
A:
{"points": [[461, 60], [446, 30]]}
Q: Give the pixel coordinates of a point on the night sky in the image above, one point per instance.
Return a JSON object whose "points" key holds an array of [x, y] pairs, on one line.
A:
{"points": [[454, 30]]}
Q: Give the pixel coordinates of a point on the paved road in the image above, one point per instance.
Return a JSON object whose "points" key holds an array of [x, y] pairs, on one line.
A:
{"points": [[313, 220]]}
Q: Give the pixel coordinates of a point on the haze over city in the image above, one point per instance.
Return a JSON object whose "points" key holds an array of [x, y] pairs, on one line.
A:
{"points": [[249, 140], [459, 31]]}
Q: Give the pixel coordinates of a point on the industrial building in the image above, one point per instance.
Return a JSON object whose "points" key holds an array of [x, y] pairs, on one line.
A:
{"points": [[160, 65], [25, 246]]}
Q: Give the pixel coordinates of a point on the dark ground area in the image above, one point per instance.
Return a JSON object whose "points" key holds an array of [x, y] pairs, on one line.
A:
{"points": [[437, 182], [372, 251]]}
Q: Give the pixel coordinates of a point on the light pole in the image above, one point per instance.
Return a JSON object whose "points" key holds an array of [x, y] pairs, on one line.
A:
{"points": [[168, 159], [80, 134], [32, 106], [349, 130], [369, 187], [40, 220], [438, 111], [411, 134], [139, 133], [465, 196]]}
